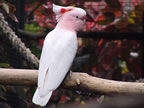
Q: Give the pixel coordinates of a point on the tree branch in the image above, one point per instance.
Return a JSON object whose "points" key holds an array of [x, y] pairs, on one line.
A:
{"points": [[31, 35], [89, 34], [78, 81]]}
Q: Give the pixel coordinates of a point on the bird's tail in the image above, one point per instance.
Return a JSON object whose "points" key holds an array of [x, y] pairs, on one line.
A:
{"points": [[42, 101]]}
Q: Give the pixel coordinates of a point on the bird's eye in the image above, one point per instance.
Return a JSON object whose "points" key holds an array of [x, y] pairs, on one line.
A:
{"points": [[77, 17]]}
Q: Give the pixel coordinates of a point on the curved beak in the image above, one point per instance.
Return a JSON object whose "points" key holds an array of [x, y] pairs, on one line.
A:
{"points": [[83, 18]]}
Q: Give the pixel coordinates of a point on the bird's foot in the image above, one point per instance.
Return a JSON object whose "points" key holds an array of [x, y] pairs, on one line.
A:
{"points": [[70, 74], [77, 81]]}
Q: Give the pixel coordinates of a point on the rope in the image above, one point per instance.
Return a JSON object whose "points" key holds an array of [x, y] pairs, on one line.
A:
{"points": [[16, 42]]}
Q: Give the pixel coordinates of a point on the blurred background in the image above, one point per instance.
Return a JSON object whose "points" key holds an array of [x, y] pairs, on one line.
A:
{"points": [[111, 45]]}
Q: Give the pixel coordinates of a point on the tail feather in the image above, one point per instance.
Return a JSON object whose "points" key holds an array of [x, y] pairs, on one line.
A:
{"points": [[41, 100]]}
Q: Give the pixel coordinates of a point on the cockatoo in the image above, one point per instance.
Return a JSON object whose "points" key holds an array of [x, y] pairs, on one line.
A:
{"points": [[59, 50]]}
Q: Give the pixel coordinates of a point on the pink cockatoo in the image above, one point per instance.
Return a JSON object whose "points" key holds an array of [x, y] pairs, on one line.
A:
{"points": [[59, 50]]}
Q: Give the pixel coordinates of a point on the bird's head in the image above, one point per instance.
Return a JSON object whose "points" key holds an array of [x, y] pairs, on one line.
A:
{"points": [[71, 18]]}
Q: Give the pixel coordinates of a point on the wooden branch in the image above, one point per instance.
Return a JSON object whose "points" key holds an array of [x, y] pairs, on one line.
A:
{"points": [[78, 81], [89, 34], [31, 35]]}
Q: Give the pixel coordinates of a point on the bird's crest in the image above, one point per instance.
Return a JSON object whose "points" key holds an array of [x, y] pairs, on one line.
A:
{"points": [[63, 10], [60, 10]]}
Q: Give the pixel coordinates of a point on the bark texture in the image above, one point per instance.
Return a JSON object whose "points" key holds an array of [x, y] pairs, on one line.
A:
{"points": [[78, 81]]}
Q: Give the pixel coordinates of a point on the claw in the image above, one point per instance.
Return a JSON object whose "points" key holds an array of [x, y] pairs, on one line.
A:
{"points": [[77, 81]]}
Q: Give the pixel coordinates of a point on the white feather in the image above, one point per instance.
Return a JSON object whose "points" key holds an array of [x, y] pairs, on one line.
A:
{"points": [[57, 10], [58, 52], [37, 99]]}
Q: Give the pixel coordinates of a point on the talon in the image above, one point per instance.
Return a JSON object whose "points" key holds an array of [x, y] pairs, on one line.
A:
{"points": [[101, 99], [78, 81], [70, 74]]}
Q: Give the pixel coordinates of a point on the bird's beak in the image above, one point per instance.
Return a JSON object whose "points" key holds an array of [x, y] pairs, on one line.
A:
{"points": [[84, 18]]}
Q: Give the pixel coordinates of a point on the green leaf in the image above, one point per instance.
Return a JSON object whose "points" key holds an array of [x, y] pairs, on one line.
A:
{"points": [[131, 20], [104, 22], [36, 51], [109, 17], [4, 65], [32, 27]]}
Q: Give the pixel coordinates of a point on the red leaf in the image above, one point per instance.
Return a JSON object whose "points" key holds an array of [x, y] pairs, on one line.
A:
{"points": [[41, 42], [100, 42]]}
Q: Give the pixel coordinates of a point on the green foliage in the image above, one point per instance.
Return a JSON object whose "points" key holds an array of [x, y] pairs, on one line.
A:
{"points": [[4, 65], [104, 22], [32, 27], [35, 51]]}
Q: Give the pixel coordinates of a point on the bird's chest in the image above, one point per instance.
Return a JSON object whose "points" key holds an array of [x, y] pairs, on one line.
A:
{"points": [[67, 42]]}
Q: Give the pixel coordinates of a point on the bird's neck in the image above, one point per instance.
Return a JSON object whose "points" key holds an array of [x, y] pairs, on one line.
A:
{"points": [[66, 25]]}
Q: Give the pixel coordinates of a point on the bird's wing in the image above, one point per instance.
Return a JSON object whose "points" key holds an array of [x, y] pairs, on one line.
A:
{"points": [[57, 56]]}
